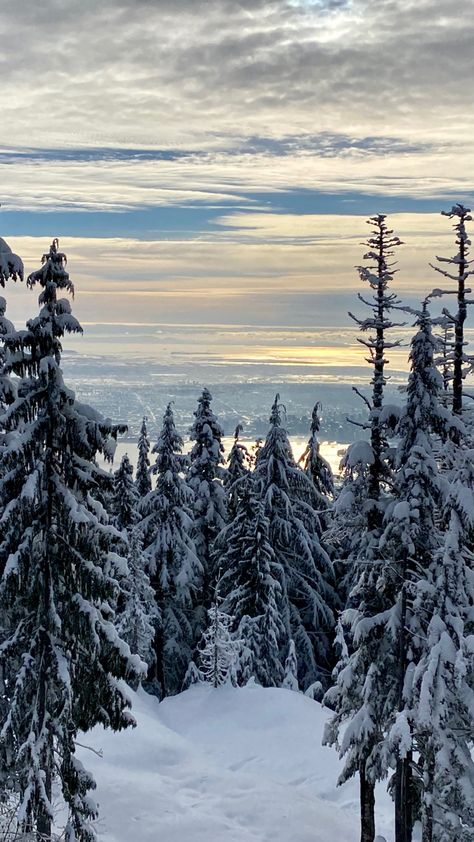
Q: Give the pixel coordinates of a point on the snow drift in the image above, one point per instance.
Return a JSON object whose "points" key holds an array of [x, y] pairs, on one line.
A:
{"points": [[224, 765]]}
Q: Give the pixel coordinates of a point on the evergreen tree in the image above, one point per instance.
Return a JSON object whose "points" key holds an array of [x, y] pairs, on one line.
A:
{"points": [[238, 466], [360, 508], [218, 653], [443, 691], [238, 460], [172, 563], [125, 497], [205, 477], [459, 274], [11, 266], [142, 476], [308, 592], [60, 655], [252, 585], [290, 681], [139, 617], [378, 274], [318, 470], [372, 695], [193, 676], [7, 389], [256, 448], [445, 357], [410, 540]]}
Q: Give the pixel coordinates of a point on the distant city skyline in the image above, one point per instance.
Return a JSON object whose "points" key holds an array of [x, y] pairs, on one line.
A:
{"points": [[211, 165]]}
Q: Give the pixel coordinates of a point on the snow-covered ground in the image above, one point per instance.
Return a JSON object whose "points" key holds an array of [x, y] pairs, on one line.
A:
{"points": [[225, 765]]}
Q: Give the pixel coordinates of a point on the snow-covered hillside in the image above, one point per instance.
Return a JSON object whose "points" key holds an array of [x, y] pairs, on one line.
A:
{"points": [[225, 765]]}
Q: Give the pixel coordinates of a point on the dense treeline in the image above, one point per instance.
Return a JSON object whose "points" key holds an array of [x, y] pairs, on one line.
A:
{"points": [[358, 592]]}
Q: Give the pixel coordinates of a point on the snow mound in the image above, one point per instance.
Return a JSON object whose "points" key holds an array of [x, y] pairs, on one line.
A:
{"points": [[225, 765]]}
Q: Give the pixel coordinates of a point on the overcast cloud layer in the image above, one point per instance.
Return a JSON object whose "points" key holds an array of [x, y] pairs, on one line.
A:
{"points": [[207, 74], [210, 159]]}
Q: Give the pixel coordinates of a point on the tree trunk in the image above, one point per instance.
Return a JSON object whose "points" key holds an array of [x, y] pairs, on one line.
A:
{"points": [[43, 823], [158, 668], [427, 828], [459, 333], [367, 806], [403, 800], [403, 771], [427, 811], [43, 819]]}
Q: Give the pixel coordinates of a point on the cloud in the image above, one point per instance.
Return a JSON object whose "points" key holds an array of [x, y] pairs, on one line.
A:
{"points": [[123, 182], [202, 74], [125, 104], [266, 269], [246, 112]]}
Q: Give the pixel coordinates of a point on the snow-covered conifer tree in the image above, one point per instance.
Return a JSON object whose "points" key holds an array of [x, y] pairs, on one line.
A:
{"points": [[139, 617], [172, 562], [218, 652], [290, 680], [443, 690], [238, 460], [7, 389], [205, 477], [378, 274], [238, 466], [142, 475], [318, 470], [125, 496], [445, 357], [360, 507], [193, 676], [308, 582], [459, 274], [372, 694], [410, 540], [253, 588], [11, 266], [60, 655]]}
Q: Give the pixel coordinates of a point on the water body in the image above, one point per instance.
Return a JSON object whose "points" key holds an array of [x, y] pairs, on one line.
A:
{"points": [[331, 450]]}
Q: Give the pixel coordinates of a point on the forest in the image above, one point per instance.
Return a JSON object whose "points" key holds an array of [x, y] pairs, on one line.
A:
{"points": [[205, 567]]}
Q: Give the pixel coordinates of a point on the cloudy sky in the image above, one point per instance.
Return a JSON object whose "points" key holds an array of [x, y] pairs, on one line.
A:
{"points": [[208, 165]]}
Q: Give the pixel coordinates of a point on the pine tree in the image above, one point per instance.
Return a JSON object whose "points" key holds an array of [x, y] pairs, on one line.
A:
{"points": [[410, 540], [172, 563], [125, 496], [372, 696], [252, 586], [445, 357], [142, 476], [11, 266], [443, 689], [218, 653], [308, 588], [238, 460], [60, 655], [139, 617], [290, 681], [378, 274], [193, 676], [205, 477], [7, 389], [460, 274], [360, 509], [318, 470], [238, 466]]}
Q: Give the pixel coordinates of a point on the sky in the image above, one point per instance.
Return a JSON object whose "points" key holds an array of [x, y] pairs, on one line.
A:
{"points": [[209, 166]]}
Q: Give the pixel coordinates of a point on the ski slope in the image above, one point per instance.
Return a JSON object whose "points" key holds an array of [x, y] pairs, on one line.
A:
{"points": [[225, 765]]}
